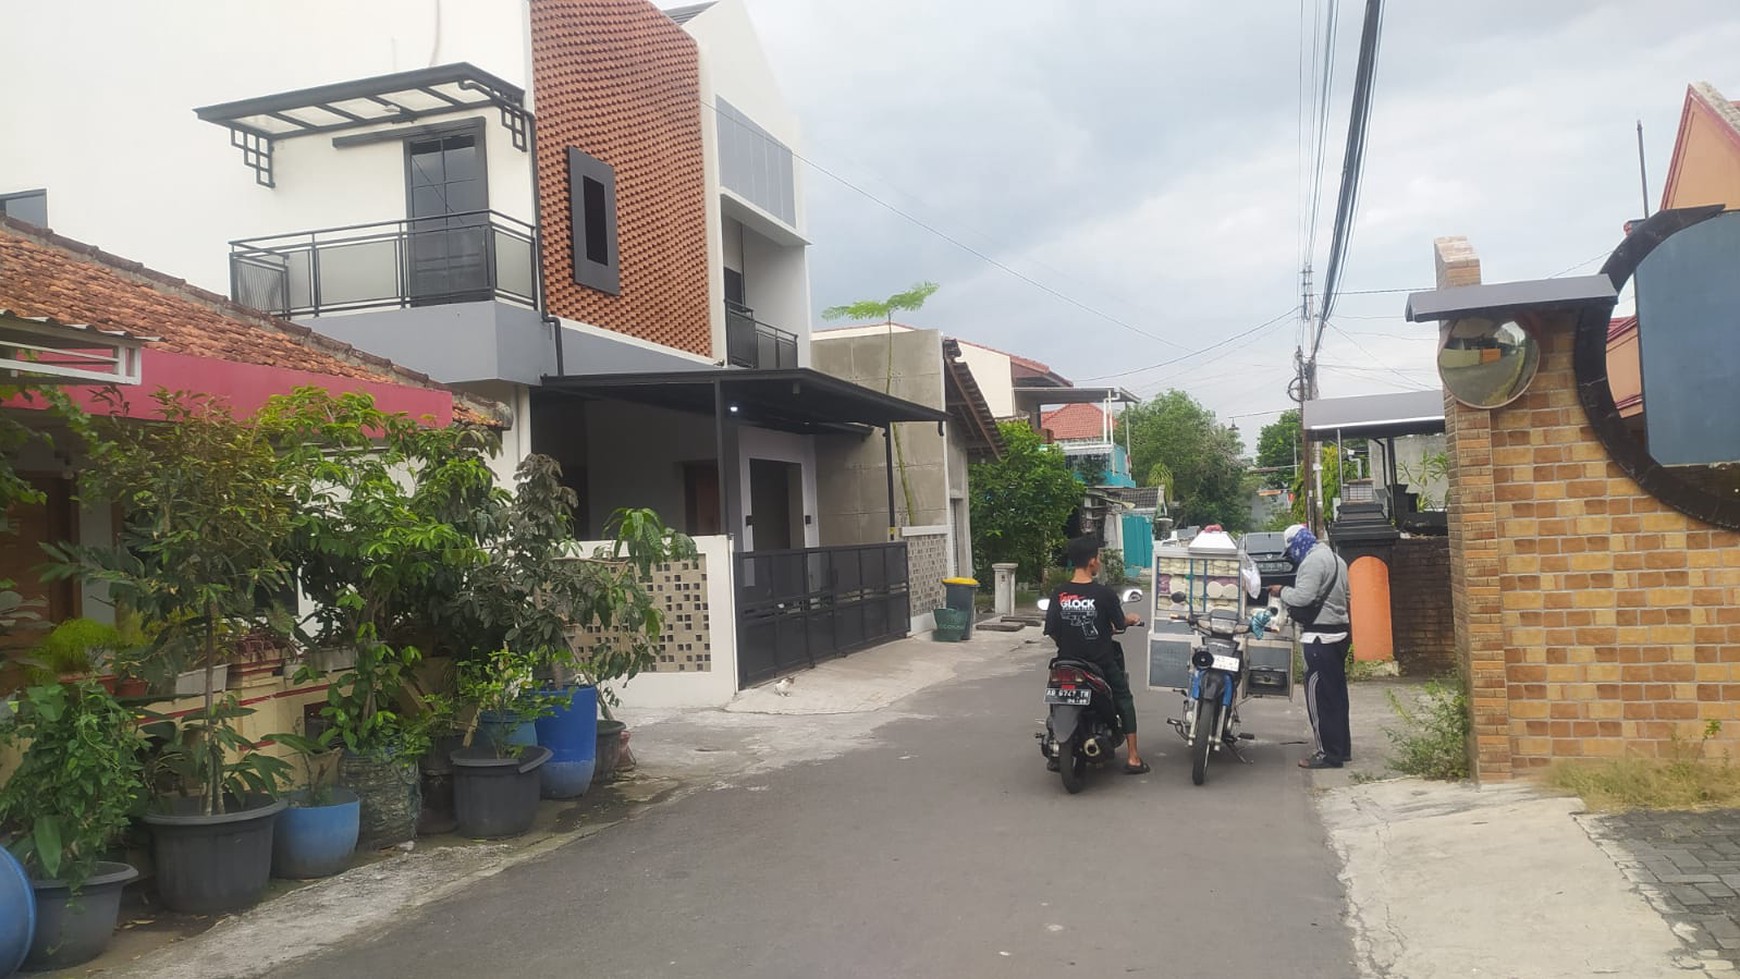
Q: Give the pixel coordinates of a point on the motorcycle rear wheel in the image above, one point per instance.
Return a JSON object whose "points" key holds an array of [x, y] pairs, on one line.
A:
{"points": [[1202, 737], [1072, 764]]}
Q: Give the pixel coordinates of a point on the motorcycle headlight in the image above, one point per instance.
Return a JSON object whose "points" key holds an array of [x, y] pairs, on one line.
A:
{"points": [[1202, 659]]}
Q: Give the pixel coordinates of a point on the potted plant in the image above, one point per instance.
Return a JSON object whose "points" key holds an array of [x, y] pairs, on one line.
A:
{"points": [[496, 782], [77, 648], [380, 538], [205, 504], [68, 803], [317, 833]]}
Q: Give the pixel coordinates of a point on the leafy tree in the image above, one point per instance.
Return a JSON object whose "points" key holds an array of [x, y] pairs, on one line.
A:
{"points": [[1328, 460], [1021, 502], [884, 310], [1175, 436], [1278, 448]]}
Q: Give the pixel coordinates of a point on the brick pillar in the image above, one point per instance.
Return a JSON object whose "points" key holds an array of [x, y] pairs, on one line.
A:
{"points": [[1474, 552]]}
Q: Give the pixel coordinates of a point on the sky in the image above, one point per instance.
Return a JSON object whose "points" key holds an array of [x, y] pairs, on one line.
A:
{"points": [[1137, 168]]}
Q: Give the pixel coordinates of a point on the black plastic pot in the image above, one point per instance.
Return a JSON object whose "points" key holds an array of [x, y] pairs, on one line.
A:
{"points": [[496, 797], [392, 797], [212, 864], [74, 930], [609, 749], [436, 817]]}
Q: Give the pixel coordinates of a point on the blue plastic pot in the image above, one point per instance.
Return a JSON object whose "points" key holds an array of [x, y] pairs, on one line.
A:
{"points": [[17, 914], [571, 734], [316, 841], [504, 730]]}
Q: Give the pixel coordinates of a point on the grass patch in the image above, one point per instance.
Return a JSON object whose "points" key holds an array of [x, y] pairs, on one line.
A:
{"points": [[1432, 741], [1685, 780]]}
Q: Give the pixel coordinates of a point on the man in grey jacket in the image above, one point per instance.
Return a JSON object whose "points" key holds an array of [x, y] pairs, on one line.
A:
{"points": [[1317, 600]]}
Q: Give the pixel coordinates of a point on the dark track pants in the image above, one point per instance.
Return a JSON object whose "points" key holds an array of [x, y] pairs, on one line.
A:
{"points": [[1326, 697]]}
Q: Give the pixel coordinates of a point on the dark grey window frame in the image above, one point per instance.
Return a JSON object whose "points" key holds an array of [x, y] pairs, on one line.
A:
{"points": [[603, 276], [6, 199], [407, 134], [470, 127]]}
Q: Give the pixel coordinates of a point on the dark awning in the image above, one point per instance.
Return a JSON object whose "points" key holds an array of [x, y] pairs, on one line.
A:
{"points": [[1501, 298], [796, 400], [1029, 398], [256, 124]]}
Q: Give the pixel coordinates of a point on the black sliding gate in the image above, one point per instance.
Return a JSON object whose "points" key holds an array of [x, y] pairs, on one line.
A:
{"points": [[801, 607]]}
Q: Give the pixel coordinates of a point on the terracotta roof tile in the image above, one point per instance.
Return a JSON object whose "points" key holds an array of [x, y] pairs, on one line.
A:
{"points": [[621, 82], [45, 274], [1079, 421]]}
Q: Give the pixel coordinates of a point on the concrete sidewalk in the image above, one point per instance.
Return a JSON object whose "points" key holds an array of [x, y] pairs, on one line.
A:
{"points": [[1447, 879]]}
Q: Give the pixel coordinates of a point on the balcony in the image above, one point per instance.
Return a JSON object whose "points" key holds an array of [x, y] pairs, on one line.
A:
{"points": [[753, 344], [473, 256]]}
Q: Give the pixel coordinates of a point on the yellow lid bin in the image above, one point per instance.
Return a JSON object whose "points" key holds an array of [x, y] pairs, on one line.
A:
{"points": [[960, 592]]}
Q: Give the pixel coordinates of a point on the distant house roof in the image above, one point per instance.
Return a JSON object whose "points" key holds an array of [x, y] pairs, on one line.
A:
{"points": [[967, 406], [43, 274], [1078, 422], [683, 15], [1026, 369]]}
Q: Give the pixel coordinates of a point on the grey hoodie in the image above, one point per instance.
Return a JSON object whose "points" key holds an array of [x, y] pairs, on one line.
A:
{"points": [[1321, 571]]}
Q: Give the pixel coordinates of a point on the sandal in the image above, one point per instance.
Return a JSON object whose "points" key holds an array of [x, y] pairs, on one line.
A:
{"points": [[1141, 769], [1318, 762]]}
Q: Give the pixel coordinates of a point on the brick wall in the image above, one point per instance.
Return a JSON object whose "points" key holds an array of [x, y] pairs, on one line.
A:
{"points": [[1617, 625], [1422, 619], [621, 81]]}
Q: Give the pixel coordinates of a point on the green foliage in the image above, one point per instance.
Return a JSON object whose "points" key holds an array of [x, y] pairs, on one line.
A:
{"points": [[313, 752], [79, 783], [1278, 448], [1112, 570], [1329, 462], [1433, 739], [1684, 779], [78, 646], [883, 309], [206, 513], [1201, 455], [13, 437], [1021, 502], [202, 755], [1432, 468], [504, 684]]}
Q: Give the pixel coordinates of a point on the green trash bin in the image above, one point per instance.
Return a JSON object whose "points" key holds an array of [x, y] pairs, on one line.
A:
{"points": [[960, 593], [951, 625]]}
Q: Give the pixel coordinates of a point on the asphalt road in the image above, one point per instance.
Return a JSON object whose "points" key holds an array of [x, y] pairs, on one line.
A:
{"points": [[944, 849]]}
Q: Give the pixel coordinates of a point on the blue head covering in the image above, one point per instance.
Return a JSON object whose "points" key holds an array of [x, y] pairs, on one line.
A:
{"points": [[1300, 541]]}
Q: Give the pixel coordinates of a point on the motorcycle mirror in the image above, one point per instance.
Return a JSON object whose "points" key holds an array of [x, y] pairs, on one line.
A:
{"points": [[1044, 604], [1133, 595], [1179, 598]]}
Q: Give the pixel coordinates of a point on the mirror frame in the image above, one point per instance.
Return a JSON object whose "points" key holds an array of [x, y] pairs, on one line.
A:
{"points": [[1589, 361]]}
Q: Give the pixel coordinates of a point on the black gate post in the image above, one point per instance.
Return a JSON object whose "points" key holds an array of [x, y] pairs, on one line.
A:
{"points": [[888, 463]]}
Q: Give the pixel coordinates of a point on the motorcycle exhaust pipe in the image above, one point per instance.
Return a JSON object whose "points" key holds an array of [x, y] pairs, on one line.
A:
{"points": [[1092, 748]]}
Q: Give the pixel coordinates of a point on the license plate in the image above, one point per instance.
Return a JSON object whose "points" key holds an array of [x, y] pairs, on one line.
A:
{"points": [[1228, 663], [1074, 698]]}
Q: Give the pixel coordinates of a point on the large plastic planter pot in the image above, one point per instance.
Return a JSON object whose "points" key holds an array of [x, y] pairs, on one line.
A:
{"points": [[571, 734], [505, 730], [17, 914], [213, 864], [392, 797], [496, 797], [73, 930], [315, 841]]}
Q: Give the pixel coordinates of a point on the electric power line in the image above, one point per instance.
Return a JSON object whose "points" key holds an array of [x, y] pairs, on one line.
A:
{"points": [[1197, 353]]}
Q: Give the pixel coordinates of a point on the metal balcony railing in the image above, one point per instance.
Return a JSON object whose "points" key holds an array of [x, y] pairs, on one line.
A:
{"points": [[751, 343], [466, 257]]}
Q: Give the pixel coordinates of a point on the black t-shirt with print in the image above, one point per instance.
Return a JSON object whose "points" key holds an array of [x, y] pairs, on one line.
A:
{"points": [[1085, 620]]}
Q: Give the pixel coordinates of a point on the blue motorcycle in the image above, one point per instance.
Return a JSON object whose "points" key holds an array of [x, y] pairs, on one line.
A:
{"points": [[1219, 671]]}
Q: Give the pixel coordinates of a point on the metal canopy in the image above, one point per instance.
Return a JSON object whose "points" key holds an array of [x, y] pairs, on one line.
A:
{"points": [[402, 97], [39, 348], [1508, 297], [798, 400], [1376, 416], [1039, 397]]}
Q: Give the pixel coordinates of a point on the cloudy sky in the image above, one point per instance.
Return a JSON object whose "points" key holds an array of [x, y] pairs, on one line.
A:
{"points": [[1141, 162]]}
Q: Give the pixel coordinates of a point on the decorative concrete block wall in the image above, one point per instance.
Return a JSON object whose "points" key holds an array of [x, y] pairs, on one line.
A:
{"points": [[927, 564]]}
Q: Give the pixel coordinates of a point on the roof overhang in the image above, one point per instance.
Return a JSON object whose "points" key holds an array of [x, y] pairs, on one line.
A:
{"points": [[1029, 398], [967, 406], [797, 400], [44, 350], [256, 124], [1503, 298], [1376, 416]]}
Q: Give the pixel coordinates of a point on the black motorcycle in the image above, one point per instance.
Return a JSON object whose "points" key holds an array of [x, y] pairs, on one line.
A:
{"points": [[1083, 727]]}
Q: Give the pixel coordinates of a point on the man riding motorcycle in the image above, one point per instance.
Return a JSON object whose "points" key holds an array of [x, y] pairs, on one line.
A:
{"points": [[1085, 618]]}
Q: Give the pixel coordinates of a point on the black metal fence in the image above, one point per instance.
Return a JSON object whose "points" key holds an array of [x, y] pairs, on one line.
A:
{"points": [[801, 607], [751, 343], [468, 257]]}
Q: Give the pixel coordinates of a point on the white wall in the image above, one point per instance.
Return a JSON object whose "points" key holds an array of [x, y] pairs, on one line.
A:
{"points": [[714, 687], [128, 166], [776, 284], [516, 442], [991, 370], [759, 443]]}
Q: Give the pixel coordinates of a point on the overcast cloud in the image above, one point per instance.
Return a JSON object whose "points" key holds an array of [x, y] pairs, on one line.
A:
{"points": [[1143, 159]]}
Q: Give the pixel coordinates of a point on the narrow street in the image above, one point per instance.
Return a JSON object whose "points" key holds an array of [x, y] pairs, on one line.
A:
{"points": [[943, 848]]}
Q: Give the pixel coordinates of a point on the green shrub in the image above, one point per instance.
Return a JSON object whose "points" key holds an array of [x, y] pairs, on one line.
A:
{"points": [[1112, 570], [1433, 739], [78, 645]]}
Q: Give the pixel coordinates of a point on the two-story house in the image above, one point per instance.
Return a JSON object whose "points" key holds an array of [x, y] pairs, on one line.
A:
{"points": [[590, 211]]}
